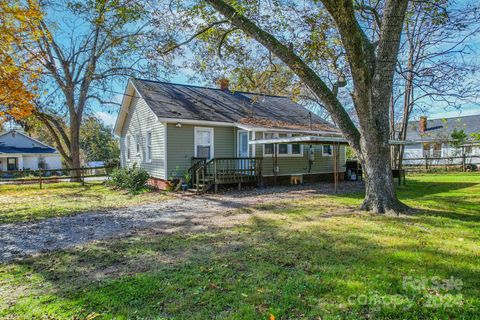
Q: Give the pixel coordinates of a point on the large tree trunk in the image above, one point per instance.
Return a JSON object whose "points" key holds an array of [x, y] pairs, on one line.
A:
{"points": [[380, 194], [75, 147], [375, 154]]}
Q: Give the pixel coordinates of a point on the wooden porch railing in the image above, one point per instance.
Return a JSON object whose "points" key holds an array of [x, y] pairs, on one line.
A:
{"points": [[196, 163], [219, 171]]}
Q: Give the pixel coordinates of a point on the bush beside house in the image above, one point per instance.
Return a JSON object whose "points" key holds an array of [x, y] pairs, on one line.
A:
{"points": [[132, 179]]}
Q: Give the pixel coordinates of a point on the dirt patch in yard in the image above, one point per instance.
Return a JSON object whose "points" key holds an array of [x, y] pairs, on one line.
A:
{"points": [[186, 214]]}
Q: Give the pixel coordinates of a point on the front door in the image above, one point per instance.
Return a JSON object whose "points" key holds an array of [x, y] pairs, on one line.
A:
{"points": [[12, 164], [243, 150]]}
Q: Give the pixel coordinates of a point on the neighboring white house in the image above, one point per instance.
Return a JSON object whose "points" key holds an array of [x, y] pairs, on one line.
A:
{"points": [[19, 152], [434, 139]]}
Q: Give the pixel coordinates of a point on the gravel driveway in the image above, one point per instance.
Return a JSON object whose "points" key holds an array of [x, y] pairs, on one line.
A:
{"points": [[189, 213]]}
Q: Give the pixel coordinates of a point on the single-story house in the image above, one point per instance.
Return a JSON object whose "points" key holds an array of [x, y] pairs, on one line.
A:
{"points": [[18, 151], [434, 137], [175, 130]]}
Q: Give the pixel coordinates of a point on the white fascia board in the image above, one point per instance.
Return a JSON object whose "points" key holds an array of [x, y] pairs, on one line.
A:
{"points": [[123, 108], [146, 102], [130, 92]]}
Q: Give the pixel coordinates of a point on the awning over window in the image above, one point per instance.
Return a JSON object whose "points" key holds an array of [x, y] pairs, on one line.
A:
{"points": [[317, 140]]}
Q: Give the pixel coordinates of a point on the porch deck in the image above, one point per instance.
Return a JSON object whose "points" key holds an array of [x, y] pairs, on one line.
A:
{"points": [[206, 174]]}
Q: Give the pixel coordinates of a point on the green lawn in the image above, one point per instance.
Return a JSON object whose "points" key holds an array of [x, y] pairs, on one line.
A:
{"points": [[28, 202], [312, 259]]}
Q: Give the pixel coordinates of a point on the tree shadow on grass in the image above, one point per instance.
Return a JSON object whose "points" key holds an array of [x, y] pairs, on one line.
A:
{"points": [[468, 219], [420, 189], [251, 271]]}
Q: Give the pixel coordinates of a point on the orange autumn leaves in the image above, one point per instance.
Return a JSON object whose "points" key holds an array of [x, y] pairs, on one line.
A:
{"points": [[18, 75]]}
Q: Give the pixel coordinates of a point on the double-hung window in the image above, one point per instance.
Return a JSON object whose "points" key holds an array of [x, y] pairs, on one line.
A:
{"points": [[137, 141], [327, 150], [296, 148], [204, 142], [432, 149], [149, 146], [283, 147], [129, 147], [268, 148]]}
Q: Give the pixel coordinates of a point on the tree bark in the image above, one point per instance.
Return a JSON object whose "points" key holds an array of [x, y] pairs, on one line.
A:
{"points": [[380, 196], [75, 147]]}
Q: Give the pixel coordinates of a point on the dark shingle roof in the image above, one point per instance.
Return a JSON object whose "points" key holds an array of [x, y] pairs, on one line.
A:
{"points": [[10, 149], [441, 129], [168, 100]]}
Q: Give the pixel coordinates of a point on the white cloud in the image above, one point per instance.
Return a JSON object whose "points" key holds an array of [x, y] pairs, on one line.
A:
{"points": [[107, 118]]}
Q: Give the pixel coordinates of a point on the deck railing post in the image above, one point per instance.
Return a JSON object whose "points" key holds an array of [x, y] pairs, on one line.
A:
{"points": [[215, 174], [197, 179]]}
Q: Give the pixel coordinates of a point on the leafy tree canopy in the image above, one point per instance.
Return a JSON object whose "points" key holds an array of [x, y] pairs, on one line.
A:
{"points": [[459, 137], [18, 25], [97, 141]]}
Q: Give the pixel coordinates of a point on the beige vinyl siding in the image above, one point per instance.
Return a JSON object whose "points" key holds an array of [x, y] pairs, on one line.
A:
{"points": [[139, 122], [181, 145], [299, 164]]}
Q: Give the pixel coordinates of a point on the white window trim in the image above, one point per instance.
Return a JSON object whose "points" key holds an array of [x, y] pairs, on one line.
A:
{"points": [[212, 141], [138, 146], [326, 154], [289, 146], [128, 144], [148, 157]]}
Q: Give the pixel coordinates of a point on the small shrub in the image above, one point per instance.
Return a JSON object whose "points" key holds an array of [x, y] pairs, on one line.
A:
{"points": [[119, 178], [131, 179]]}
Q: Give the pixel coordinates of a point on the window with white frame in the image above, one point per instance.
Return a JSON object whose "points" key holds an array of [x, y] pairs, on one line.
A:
{"points": [[296, 148], [327, 150], [283, 149], [129, 147], [137, 141], [432, 149], [268, 148], [204, 142], [149, 146]]}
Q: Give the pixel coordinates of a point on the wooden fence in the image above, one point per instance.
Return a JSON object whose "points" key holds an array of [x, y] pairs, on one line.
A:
{"points": [[42, 176], [430, 164]]}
